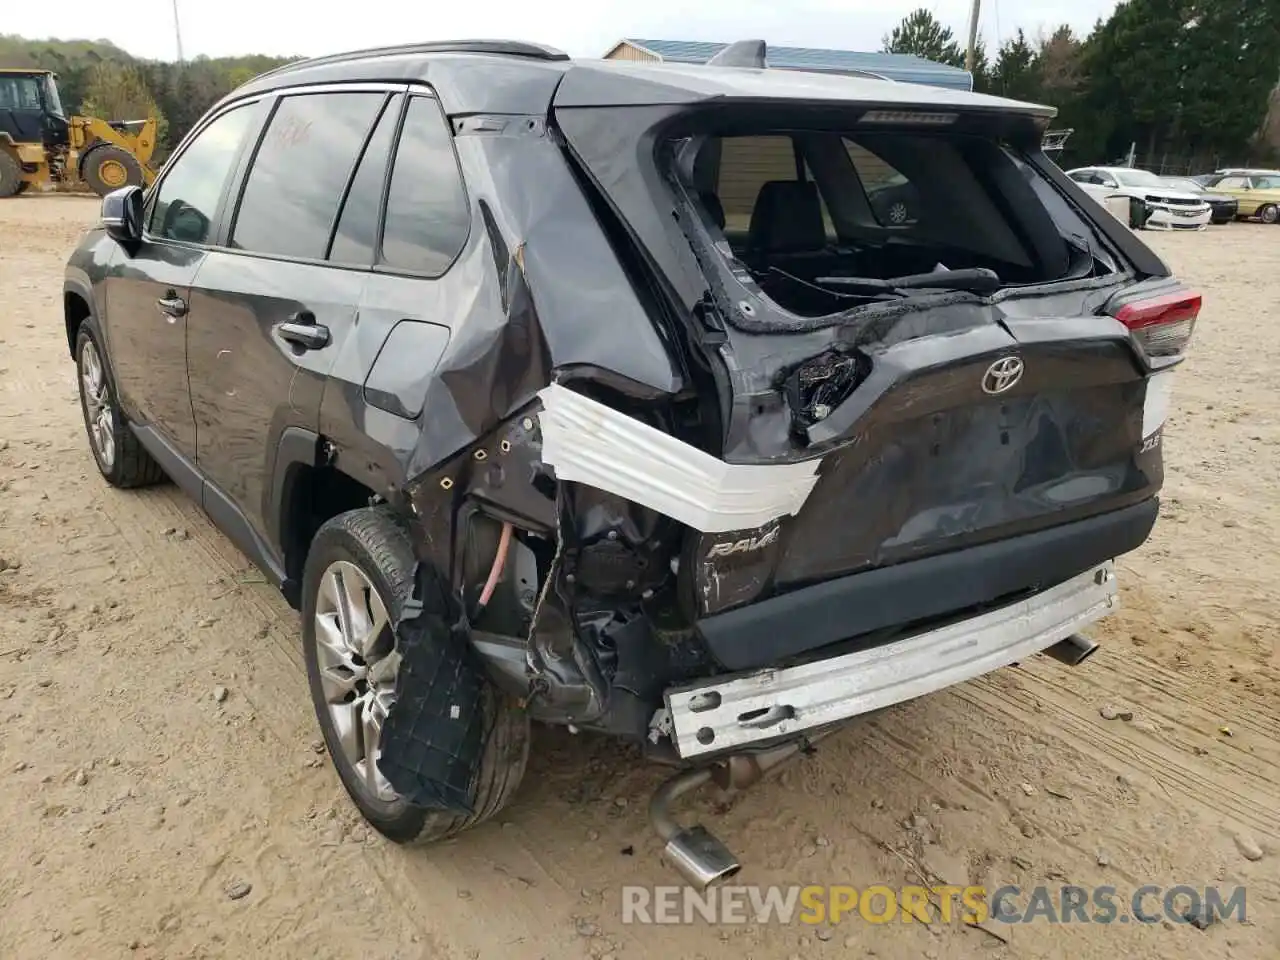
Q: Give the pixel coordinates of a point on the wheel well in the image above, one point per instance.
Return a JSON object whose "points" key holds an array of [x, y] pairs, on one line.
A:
{"points": [[75, 311], [312, 495]]}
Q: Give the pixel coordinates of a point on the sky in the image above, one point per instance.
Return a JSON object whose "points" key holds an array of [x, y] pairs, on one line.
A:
{"points": [[583, 28]]}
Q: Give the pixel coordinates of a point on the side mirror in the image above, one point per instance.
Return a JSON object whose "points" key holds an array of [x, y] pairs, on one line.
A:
{"points": [[122, 214]]}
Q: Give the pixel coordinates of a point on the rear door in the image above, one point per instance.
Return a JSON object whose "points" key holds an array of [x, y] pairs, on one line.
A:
{"points": [[414, 294], [268, 309], [148, 288]]}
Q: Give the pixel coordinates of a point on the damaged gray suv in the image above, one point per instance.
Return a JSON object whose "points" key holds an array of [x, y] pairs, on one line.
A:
{"points": [[601, 394]]}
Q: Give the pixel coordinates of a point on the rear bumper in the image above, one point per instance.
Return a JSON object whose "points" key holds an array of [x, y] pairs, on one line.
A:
{"points": [[709, 717], [773, 630]]}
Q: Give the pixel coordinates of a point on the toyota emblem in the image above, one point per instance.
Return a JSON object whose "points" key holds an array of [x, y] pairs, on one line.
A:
{"points": [[1002, 375]]}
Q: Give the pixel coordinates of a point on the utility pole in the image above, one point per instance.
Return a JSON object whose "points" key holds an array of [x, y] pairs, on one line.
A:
{"points": [[973, 36], [177, 30]]}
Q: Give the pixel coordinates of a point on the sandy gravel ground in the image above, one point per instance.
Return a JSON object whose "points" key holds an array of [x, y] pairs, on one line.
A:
{"points": [[134, 799]]}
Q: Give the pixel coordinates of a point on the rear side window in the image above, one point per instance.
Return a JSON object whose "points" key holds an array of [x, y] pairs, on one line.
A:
{"points": [[188, 196], [301, 168], [894, 200], [356, 240], [427, 219]]}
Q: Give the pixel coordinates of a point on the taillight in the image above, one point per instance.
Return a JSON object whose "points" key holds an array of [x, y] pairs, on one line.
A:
{"points": [[1162, 325]]}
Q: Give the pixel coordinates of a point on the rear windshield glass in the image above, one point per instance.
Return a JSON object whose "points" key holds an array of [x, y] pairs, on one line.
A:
{"points": [[797, 208]]}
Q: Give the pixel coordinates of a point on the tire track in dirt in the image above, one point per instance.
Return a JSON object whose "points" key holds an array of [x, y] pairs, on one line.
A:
{"points": [[1249, 798]]}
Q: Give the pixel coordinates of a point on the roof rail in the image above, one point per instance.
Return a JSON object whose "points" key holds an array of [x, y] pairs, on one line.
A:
{"points": [[510, 48]]}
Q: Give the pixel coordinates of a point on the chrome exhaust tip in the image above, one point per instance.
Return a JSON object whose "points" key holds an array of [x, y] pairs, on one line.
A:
{"points": [[1073, 650], [701, 859]]}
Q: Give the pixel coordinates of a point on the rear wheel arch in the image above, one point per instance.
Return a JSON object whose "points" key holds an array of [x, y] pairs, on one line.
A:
{"points": [[305, 493]]}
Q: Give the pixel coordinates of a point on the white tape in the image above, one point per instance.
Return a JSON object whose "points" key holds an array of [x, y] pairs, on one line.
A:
{"points": [[588, 442]]}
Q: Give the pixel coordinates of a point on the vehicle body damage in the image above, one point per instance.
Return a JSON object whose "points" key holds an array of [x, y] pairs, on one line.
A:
{"points": [[714, 478], [659, 456]]}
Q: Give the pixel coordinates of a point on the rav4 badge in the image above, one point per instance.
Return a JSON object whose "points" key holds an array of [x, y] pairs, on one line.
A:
{"points": [[746, 545]]}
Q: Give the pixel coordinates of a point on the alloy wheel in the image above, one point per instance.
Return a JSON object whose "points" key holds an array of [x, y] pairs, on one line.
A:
{"points": [[98, 413], [358, 663]]}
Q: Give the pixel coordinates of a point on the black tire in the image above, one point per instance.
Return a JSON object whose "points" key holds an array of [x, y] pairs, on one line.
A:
{"points": [[102, 166], [129, 465], [11, 182], [1269, 213], [377, 541]]}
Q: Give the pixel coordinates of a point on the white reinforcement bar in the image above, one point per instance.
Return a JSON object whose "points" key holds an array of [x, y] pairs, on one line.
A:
{"points": [[588, 442], [742, 709]]}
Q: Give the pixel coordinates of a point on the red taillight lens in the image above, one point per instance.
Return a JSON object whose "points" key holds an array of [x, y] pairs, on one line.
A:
{"points": [[1163, 325]]}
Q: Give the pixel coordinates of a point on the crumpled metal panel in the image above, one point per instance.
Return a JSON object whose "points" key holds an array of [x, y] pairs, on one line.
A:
{"points": [[588, 442]]}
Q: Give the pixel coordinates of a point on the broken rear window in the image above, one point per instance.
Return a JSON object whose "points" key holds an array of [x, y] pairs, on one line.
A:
{"points": [[811, 213]]}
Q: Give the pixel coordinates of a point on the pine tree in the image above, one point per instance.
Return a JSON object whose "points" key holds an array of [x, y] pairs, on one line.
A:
{"points": [[921, 35]]}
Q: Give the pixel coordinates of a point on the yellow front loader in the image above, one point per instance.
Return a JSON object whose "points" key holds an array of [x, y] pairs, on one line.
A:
{"points": [[40, 145]]}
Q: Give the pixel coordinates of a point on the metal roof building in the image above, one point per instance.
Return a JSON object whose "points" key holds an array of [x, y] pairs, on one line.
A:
{"points": [[891, 66]]}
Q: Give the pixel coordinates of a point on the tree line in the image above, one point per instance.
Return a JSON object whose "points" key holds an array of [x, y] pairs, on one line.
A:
{"points": [[1192, 79], [97, 78]]}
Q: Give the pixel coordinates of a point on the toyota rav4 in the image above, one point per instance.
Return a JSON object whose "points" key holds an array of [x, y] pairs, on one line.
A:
{"points": [[601, 394]]}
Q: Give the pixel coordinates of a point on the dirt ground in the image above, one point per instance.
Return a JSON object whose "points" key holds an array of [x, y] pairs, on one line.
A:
{"points": [[134, 798]]}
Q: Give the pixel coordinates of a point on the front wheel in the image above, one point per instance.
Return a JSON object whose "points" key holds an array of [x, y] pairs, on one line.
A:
{"points": [[359, 574], [1269, 213], [121, 459]]}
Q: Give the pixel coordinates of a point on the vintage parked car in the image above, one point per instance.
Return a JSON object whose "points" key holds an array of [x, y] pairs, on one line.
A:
{"points": [[553, 390], [1154, 205], [1222, 206], [1256, 191]]}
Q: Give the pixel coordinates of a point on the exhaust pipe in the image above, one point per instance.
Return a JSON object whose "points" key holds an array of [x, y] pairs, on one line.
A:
{"points": [[695, 852], [699, 856], [1073, 650]]}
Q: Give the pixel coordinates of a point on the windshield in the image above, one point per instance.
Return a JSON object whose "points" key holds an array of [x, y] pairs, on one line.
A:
{"points": [[19, 93], [1138, 178], [52, 102]]}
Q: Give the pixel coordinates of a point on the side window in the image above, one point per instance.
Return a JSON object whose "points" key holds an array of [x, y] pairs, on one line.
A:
{"points": [[1232, 183], [188, 196], [356, 239], [427, 219], [1266, 183], [295, 184], [894, 200]]}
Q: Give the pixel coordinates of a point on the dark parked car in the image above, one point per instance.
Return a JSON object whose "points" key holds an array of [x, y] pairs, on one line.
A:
{"points": [[1223, 206], [597, 393]]}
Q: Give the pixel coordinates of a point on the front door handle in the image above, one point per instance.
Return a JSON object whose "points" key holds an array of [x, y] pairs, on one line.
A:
{"points": [[309, 336], [172, 305]]}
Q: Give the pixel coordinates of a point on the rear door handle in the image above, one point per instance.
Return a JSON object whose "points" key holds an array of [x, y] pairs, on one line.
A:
{"points": [[303, 331], [172, 305]]}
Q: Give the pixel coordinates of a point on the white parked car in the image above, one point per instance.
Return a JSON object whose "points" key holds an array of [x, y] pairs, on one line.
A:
{"points": [[1158, 206]]}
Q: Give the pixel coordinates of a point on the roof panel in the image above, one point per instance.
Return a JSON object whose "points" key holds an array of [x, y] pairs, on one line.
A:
{"points": [[894, 66]]}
